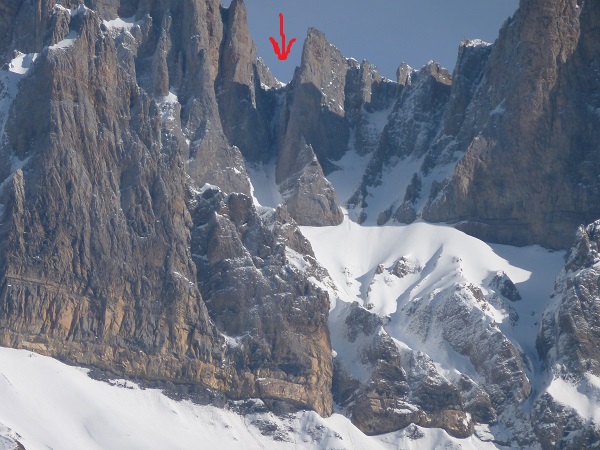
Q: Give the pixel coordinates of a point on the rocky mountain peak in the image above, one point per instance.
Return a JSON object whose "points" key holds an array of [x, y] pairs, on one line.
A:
{"points": [[534, 68], [323, 66], [437, 72], [568, 344], [403, 74], [239, 51]]}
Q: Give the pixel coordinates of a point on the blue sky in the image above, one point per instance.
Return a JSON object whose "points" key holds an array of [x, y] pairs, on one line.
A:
{"points": [[385, 32]]}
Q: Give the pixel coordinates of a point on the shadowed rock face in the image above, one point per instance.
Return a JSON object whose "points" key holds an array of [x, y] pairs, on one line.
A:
{"points": [[100, 162], [95, 233], [527, 174], [243, 114], [410, 131], [8, 13], [570, 330]]}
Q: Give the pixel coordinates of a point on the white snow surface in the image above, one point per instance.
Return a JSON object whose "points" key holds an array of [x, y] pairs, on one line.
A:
{"points": [[22, 63], [352, 252], [52, 405], [167, 106], [347, 179], [9, 83], [543, 266], [120, 23], [67, 42], [583, 397], [263, 186], [476, 43]]}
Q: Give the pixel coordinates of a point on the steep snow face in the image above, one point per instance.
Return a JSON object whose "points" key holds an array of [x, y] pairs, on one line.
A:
{"points": [[583, 397], [347, 178], [352, 254], [362, 259], [52, 405], [120, 23]]}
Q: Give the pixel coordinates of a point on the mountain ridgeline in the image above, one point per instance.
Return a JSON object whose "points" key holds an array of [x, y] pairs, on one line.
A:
{"points": [[130, 240]]}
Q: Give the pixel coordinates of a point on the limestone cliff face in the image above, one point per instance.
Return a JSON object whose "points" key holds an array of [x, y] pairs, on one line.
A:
{"points": [[110, 129], [129, 240], [239, 93], [527, 173], [101, 189]]}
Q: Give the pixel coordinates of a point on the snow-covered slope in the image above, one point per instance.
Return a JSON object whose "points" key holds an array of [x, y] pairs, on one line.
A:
{"points": [[443, 256], [52, 405], [470, 309]]}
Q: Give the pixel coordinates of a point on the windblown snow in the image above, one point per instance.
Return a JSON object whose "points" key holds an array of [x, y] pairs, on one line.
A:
{"points": [[67, 42]]}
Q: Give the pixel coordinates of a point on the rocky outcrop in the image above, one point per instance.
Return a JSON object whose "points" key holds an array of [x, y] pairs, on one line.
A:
{"points": [[317, 105], [384, 387], [439, 359], [239, 91], [502, 284], [366, 93], [261, 300], [9, 440], [450, 316], [410, 129], [571, 325]]}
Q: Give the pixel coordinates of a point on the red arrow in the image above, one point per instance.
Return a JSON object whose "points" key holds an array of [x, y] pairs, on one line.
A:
{"points": [[282, 53]]}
